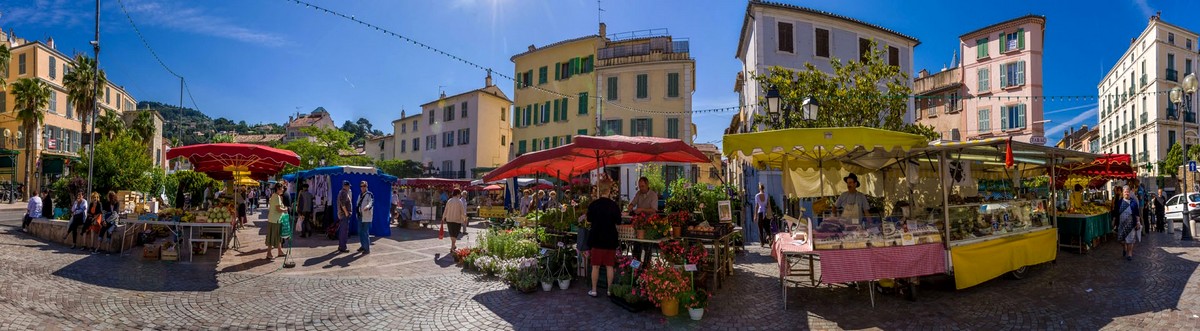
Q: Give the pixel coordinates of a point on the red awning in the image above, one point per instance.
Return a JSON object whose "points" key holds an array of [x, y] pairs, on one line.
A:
{"points": [[220, 160], [588, 153], [439, 183]]}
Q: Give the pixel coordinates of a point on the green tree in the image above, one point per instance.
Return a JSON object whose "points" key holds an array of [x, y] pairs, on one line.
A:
{"points": [[81, 84], [143, 126], [402, 168], [190, 182], [327, 144], [121, 163], [5, 56], [110, 125], [32, 96], [867, 93], [222, 138]]}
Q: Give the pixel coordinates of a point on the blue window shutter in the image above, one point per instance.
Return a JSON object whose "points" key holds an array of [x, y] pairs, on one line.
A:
{"points": [[1020, 116], [1003, 117]]}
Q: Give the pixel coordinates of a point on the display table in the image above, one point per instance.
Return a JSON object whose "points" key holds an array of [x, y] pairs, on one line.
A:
{"points": [[722, 256], [191, 228], [1087, 229], [979, 262], [864, 264]]}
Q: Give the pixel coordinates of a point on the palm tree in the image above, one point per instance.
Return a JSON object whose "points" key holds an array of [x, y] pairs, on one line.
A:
{"points": [[81, 88], [143, 125], [110, 125], [5, 55], [32, 96]]}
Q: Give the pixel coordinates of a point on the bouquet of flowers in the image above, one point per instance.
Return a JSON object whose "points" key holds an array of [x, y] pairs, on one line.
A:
{"points": [[679, 219], [697, 298], [653, 224], [673, 251], [662, 282]]}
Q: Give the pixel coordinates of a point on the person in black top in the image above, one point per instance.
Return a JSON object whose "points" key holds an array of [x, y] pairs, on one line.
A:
{"points": [[604, 214], [1160, 205], [47, 204]]}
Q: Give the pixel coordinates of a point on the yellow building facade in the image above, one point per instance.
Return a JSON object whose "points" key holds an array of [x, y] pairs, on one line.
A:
{"points": [[60, 141], [553, 98]]}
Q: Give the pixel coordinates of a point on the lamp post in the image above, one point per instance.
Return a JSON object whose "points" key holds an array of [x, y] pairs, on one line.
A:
{"points": [[809, 108], [1177, 96], [773, 103]]}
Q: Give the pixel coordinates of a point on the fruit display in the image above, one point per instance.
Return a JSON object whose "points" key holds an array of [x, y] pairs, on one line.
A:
{"points": [[834, 233], [1089, 209]]}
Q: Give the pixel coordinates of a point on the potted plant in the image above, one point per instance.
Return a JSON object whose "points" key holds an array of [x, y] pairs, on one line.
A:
{"points": [[673, 252], [695, 301], [564, 281], [460, 255], [678, 220], [547, 283], [662, 285]]}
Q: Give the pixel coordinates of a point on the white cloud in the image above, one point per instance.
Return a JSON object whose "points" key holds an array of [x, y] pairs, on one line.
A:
{"points": [[46, 13], [1144, 6], [1057, 130], [177, 16], [1056, 111]]}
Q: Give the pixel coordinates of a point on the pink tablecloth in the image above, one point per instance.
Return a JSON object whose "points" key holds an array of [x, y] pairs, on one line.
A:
{"points": [[853, 265]]}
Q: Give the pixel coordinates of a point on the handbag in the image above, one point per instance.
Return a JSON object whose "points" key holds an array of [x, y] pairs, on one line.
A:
{"points": [[442, 230], [285, 222]]}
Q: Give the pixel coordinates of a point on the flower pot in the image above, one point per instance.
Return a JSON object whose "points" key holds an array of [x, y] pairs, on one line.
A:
{"points": [[528, 290], [547, 286], [696, 313], [641, 234], [670, 307], [564, 284], [677, 232]]}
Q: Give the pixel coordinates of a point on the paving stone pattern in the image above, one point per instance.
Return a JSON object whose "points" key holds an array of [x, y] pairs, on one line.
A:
{"points": [[400, 286]]}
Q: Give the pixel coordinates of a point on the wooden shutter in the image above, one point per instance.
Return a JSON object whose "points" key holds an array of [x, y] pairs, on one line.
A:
{"points": [[612, 88], [1020, 38], [557, 109], [1020, 73], [1003, 117], [583, 103], [1021, 116], [564, 109], [981, 50], [546, 112], [649, 127], [557, 71], [893, 56], [822, 41], [517, 117], [1003, 42], [785, 37]]}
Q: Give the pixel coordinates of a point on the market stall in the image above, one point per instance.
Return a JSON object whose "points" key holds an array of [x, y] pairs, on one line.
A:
{"points": [[324, 183], [1085, 218], [421, 197], [890, 243]]}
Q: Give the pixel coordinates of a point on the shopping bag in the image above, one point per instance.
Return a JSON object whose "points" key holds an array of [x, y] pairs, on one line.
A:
{"points": [[442, 231], [285, 222]]}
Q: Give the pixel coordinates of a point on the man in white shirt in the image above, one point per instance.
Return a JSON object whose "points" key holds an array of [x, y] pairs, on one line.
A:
{"points": [[366, 208]]}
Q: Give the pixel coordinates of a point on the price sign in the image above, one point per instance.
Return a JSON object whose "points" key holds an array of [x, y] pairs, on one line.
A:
{"points": [[635, 264], [543, 251], [689, 267]]}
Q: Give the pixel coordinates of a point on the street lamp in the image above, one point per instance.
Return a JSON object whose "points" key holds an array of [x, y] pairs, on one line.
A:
{"points": [[810, 108], [1177, 96], [773, 102]]}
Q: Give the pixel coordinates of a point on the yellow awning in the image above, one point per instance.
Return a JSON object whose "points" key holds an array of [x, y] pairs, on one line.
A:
{"points": [[821, 147], [246, 182]]}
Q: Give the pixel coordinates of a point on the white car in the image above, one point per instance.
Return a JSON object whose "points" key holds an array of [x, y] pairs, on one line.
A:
{"points": [[1175, 206]]}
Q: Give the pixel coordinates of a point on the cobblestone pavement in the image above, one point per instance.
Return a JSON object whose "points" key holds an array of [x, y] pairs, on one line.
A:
{"points": [[401, 287]]}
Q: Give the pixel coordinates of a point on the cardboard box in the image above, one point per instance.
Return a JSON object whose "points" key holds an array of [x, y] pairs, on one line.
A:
{"points": [[150, 252]]}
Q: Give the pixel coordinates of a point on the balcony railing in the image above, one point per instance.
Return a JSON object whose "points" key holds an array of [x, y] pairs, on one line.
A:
{"points": [[1190, 117], [1144, 157], [1145, 118], [1172, 75], [1143, 80], [636, 48]]}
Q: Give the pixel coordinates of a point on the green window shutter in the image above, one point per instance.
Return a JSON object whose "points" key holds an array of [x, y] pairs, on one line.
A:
{"points": [[649, 127], [528, 114], [1020, 72], [612, 88], [1003, 117], [557, 72], [632, 127], [546, 113], [546, 143], [1003, 42], [1020, 38], [521, 147], [641, 86], [582, 132], [673, 128], [583, 103], [672, 85], [1003, 75], [589, 64], [517, 117], [557, 109], [981, 50], [1021, 116], [575, 67]]}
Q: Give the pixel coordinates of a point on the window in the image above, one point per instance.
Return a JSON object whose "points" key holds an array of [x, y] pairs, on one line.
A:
{"points": [[447, 166], [1187, 66], [53, 67], [673, 85], [415, 125], [1012, 117], [546, 143], [449, 113], [537, 145], [432, 113], [528, 114], [1189, 43], [1170, 63], [564, 109], [403, 127], [464, 109], [893, 56], [1012, 74], [611, 127], [612, 88], [503, 114], [53, 101], [546, 112], [462, 167], [643, 81], [673, 128], [558, 110], [981, 50], [583, 103], [554, 142], [984, 77], [581, 132], [21, 64], [447, 139], [785, 37], [985, 120], [1012, 41], [430, 142], [464, 136], [403, 147], [1170, 38], [521, 147], [821, 40], [864, 49], [529, 78], [641, 127], [107, 93], [542, 75], [953, 106], [1170, 139], [503, 142]]}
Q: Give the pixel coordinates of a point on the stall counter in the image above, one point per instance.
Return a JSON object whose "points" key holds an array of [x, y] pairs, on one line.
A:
{"points": [[1084, 228], [979, 262]]}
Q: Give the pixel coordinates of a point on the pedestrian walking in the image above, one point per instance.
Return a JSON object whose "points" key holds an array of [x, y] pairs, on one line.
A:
{"points": [[366, 209], [760, 215], [305, 213], [32, 210], [604, 214], [455, 218], [78, 217], [1130, 227], [345, 205], [1160, 213], [239, 197], [275, 211]]}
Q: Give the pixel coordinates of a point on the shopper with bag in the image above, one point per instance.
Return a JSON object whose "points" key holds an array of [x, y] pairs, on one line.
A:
{"points": [[276, 211], [366, 210], [1130, 229], [455, 218]]}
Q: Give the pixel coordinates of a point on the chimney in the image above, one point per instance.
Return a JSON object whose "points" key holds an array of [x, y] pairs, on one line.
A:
{"points": [[50, 42], [487, 82], [290, 119], [923, 73], [402, 113], [532, 47], [603, 29]]}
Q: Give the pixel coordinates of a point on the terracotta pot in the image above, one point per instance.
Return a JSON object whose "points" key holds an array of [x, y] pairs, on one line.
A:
{"points": [[670, 308], [641, 234]]}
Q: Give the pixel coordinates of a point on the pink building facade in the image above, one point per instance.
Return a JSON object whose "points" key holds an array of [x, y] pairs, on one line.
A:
{"points": [[1002, 71]]}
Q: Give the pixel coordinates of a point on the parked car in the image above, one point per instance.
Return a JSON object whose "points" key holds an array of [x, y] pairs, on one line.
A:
{"points": [[1175, 206]]}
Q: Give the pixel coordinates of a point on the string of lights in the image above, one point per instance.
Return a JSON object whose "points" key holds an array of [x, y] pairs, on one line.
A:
{"points": [[155, 54], [915, 98]]}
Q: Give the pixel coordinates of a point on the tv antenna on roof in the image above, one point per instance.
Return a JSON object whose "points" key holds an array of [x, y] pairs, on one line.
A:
{"points": [[599, 12]]}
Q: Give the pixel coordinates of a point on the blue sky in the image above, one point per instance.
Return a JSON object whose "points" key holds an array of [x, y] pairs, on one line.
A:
{"points": [[261, 60]]}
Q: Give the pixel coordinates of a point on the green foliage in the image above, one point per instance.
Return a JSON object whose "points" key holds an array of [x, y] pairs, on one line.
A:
{"points": [[82, 86], [192, 183], [221, 138], [1173, 161], [327, 146], [402, 168], [687, 197], [510, 244], [30, 96], [851, 96], [654, 174], [5, 56], [110, 125], [143, 126], [359, 130], [180, 125], [121, 164], [65, 188]]}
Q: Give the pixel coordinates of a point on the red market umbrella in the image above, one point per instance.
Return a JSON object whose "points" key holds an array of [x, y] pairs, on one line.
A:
{"points": [[438, 183], [542, 187], [588, 153], [493, 187], [220, 161]]}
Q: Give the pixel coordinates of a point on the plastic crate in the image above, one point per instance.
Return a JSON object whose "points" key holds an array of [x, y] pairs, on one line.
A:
{"points": [[626, 232]]}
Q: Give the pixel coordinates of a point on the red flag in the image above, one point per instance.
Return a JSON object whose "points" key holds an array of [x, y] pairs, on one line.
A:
{"points": [[1008, 155]]}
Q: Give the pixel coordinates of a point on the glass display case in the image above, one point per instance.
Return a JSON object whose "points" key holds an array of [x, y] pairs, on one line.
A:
{"points": [[983, 221], [838, 233]]}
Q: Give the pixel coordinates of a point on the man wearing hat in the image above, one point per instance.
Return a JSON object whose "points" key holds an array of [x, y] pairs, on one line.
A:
{"points": [[345, 205], [852, 203]]}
